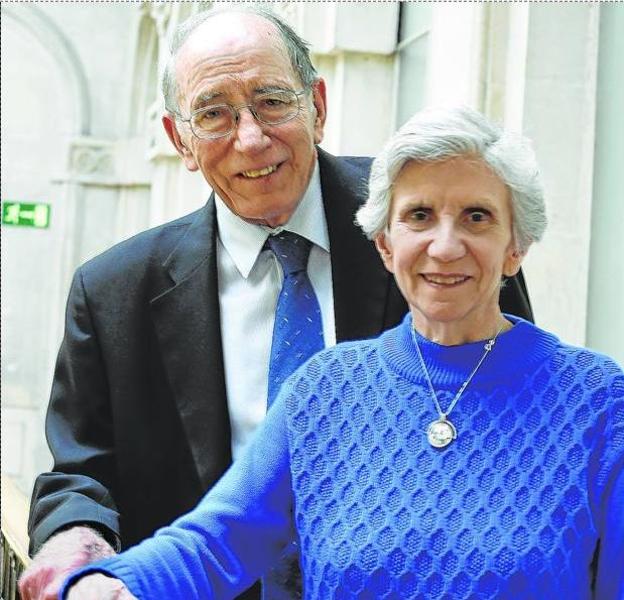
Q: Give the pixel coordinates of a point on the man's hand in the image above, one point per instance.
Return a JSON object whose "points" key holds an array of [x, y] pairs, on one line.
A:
{"points": [[99, 587], [58, 557]]}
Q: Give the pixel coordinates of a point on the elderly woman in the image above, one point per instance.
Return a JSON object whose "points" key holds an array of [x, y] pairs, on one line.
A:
{"points": [[465, 453]]}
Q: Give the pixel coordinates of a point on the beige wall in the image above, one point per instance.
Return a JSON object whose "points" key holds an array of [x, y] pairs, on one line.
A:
{"points": [[605, 319], [108, 170]]}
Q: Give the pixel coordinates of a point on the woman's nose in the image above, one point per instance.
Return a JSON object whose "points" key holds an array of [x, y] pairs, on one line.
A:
{"points": [[446, 244]]}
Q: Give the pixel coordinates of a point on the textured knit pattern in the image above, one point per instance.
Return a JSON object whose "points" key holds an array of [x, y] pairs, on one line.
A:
{"points": [[514, 508], [504, 511]]}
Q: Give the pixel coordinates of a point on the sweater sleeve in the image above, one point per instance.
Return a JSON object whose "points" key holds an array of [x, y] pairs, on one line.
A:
{"points": [[230, 539], [610, 479], [610, 571]]}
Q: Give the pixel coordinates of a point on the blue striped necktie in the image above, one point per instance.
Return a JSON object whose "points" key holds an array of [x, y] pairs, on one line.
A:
{"points": [[297, 335], [298, 329]]}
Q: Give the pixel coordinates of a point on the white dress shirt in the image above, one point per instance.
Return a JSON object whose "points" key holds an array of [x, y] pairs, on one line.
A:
{"points": [[250, 280]]}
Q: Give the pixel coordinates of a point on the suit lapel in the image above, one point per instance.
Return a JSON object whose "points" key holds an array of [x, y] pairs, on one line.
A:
{"points": [[187, 322], [186, 319], [360, 281]]}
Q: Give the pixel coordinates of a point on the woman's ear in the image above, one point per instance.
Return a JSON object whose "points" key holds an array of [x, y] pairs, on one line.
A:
{"points": [[384, 247], [512, 262]]}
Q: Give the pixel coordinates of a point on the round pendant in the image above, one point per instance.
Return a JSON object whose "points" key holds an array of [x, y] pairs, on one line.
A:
{"points": [[441, 433]]}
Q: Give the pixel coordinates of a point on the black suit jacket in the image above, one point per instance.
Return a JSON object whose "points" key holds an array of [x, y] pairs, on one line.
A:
{"points": [[138, 421]]}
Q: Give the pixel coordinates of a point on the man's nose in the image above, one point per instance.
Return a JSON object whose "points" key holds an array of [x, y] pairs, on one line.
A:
{"points": [[249, 136], [447, 244]]}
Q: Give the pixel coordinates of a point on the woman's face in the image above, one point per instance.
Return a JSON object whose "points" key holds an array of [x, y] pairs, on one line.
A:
{"points": [[448, 243]]}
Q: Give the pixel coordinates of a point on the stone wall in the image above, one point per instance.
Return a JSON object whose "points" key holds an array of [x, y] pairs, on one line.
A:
{"points": [[81, 130]]}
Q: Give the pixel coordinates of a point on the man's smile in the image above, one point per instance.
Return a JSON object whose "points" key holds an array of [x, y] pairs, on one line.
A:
{"points": [[255, 173]]}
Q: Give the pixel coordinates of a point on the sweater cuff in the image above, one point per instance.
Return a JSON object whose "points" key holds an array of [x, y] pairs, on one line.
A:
{"points": [[111, 567]]}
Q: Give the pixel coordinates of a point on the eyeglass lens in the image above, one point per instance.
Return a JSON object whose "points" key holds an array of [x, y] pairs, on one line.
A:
{"points": [[272, 108]]}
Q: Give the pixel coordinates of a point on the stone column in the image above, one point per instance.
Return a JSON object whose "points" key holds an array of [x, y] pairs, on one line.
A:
{"points": [[558, 112]]}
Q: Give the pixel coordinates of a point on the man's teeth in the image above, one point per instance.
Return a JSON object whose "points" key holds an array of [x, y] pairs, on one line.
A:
{"points": [[445, 280], [260, 172]]}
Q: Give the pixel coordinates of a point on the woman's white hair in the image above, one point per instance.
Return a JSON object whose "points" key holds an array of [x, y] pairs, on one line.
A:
{"points": [[440, 134]]}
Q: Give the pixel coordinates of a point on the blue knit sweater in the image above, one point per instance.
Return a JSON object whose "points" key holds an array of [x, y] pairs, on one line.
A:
{"points": [[527, 502]]}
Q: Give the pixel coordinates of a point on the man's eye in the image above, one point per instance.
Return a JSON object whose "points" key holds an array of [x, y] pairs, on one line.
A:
{"points": [[273, 101], [208, 114]]}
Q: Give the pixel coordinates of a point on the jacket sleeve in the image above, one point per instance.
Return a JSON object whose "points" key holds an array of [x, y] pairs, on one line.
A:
{"points": [[232, 537], [79, 432]]}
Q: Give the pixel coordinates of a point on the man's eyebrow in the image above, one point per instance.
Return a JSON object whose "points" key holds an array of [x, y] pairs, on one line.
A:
{"points": [[267, 89], [207, 98]]}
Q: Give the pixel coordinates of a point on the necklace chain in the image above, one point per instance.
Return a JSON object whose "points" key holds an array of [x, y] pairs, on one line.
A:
{"points": [[487, 347]]}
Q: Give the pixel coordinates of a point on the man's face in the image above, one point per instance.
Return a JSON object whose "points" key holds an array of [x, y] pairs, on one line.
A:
{"points": [[260, 171]]}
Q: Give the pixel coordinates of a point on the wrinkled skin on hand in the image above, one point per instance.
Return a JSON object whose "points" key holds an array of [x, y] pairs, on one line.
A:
{"points": [[99, 587], [58, 557]]}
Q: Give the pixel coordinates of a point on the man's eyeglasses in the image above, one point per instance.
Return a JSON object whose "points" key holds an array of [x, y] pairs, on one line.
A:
{"points": [[219, 120]]}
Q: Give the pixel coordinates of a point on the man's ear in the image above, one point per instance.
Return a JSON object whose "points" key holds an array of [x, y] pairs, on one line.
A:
{"points": [[187, 156], [319, 99], [384, 247]]}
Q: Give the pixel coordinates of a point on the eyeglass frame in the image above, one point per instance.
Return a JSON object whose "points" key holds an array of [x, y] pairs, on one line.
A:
{"points": [[235, 110]]}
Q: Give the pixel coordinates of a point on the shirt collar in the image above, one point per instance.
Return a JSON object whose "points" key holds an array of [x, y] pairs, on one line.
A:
{"points": [[243, 241]]}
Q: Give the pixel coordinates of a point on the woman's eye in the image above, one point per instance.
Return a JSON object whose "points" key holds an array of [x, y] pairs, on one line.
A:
{"points": [[420, 215], [478, 216]]}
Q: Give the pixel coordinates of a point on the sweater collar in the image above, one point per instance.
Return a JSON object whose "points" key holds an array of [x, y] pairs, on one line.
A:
{"points": [[516, 352]]}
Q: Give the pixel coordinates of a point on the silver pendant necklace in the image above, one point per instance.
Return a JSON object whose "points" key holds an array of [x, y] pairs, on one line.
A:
{"points": [[442, 432]]}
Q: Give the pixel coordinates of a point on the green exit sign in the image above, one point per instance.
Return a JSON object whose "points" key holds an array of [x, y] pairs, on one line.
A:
{"points": [[26, 214]]}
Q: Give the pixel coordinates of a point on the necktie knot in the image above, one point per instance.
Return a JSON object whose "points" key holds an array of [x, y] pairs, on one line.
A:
{"points": [[291, 250]]}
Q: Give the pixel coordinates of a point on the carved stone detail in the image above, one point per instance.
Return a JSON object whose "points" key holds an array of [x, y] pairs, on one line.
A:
{"points": [[91, 158]]}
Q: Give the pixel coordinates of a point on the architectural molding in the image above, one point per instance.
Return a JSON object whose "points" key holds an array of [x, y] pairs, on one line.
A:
{"points": [[91, 158], [105, 163]]}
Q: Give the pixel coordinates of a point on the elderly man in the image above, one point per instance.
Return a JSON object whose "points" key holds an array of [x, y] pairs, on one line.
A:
{"points": [[170, 353]]}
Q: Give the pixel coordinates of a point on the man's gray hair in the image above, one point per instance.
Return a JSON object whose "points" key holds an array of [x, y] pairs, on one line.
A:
{"points": [[440, 134], [297, 48]]}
